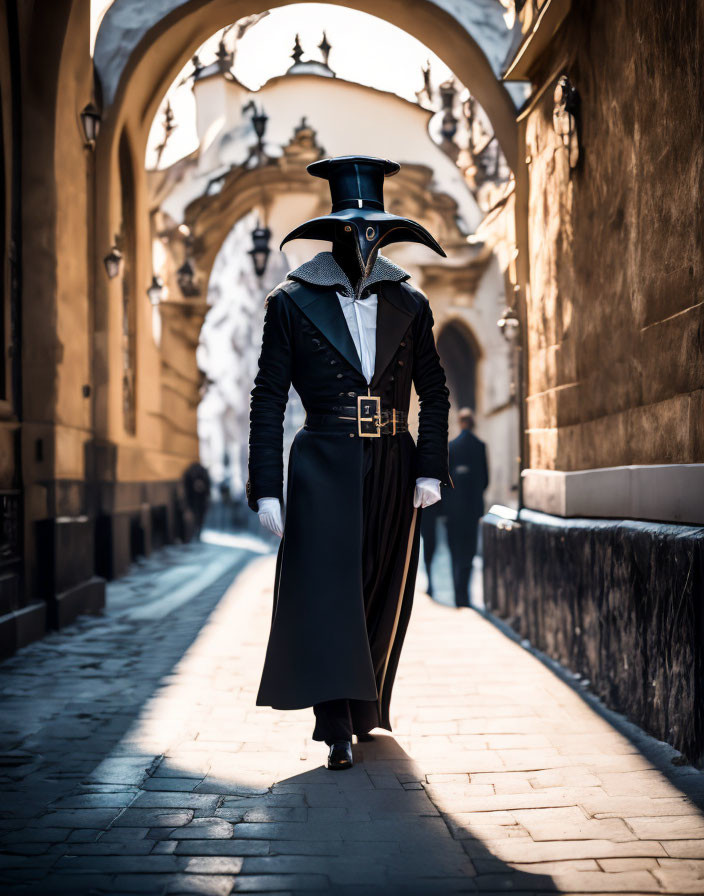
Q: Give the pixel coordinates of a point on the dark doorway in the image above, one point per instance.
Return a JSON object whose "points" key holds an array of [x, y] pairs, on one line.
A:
{"points": [[459, 356]]}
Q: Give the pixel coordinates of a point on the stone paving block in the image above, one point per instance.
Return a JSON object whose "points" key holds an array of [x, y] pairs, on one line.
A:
{"points": [[146, 864], [111, 848], [285, 800], [684, 849], [204, 829], [36, 835], [602, 882], [213, 865], [620, 807], [679, 880], [648, 783], [94, 800], [276, 813], [185, 785], [462, 801], [381, 804], [77, 818], [338, 814], [277, 883], [124, 835], [203, 885], [176, 800], [164, 847], [669, 827], [640, 864], [385, 782], [522, 851], [153, 818], [234, 847]]}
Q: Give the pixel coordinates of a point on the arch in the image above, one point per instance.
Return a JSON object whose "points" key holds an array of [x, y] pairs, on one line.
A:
{"points": [[140, 49], [460, 355]]}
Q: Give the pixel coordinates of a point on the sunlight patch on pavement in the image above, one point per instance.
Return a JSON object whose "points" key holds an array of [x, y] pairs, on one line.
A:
{"points": [[232, 540], [193, 586]]}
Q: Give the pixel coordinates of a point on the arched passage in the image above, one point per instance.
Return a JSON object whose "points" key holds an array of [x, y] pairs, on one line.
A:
{"points": [[459, 354]]}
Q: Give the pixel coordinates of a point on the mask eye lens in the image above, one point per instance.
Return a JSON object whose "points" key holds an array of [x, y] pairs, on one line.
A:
{"points": [[347, 228], [370, 233]]}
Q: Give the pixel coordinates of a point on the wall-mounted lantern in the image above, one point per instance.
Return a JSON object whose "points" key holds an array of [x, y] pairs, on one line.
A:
{"points": [[259, 120], [186, 279], [260, 249], [509, 325], [90, 121], [448, 91], [113, 261], [564, 117], [156, 290]]}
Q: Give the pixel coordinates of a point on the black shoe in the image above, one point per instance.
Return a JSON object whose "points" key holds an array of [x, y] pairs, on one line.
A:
{"points": [[340, 756]]}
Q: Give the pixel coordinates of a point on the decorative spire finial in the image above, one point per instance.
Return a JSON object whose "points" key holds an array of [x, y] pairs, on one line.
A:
{"points": [[325, 47], [297, 51]]}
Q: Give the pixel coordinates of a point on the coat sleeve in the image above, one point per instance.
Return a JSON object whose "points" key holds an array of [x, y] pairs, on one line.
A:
{"points": [[433, 395], [268, 404]]}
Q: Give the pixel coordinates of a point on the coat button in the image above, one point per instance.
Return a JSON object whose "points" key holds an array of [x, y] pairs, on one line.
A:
{"points": [[402, 344], [339, 376], [351, 435], [315, 341], [352, 394], [391, 379], [333, 362], [340, 394]]}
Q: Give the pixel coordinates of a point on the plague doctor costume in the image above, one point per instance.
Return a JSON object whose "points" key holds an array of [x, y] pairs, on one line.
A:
{"points": [[353, 337]]}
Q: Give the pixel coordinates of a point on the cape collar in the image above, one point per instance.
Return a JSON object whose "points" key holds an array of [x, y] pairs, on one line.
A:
{"points": [[323, 270]]}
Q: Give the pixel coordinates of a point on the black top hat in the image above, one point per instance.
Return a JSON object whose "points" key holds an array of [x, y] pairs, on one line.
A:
{"points": [[355, 181], [357, 190]]}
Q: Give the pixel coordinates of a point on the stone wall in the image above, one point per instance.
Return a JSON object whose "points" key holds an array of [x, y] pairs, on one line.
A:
{"points": [[622, 604], [616, 300]]}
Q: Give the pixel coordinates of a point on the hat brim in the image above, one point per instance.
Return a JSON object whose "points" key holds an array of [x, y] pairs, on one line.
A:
{"points": [[392, 228]]}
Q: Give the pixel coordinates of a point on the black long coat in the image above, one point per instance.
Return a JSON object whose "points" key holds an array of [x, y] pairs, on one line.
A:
{"points": [[346, 564]]}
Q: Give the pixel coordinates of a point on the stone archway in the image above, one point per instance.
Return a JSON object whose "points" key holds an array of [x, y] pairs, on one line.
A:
{"points": [[140, 49], [460, 355]]}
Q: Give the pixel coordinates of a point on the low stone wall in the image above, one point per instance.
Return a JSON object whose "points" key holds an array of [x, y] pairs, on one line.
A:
{"points": [[619, 602]]}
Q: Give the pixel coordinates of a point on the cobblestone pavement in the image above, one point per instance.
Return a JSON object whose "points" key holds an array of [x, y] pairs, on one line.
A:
{"points": [[135, 761]]}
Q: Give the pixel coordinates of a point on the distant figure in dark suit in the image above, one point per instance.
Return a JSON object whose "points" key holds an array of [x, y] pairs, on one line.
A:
{"points": [[465, 503], [196, 483]]}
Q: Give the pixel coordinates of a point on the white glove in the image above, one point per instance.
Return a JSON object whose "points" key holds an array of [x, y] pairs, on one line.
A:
{"points": [[427, 492], [269, 513]]}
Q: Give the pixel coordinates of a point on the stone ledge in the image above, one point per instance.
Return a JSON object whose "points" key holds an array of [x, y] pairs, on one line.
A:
{"points": [[665, 492]]}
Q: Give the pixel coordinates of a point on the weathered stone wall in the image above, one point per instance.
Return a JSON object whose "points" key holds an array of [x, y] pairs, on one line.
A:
{"points": [[616, 300], [622, 604]]}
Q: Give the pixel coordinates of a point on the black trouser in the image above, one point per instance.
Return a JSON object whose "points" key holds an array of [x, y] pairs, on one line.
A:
{"points": [[338, 720], [462, 558], [428, 531]]}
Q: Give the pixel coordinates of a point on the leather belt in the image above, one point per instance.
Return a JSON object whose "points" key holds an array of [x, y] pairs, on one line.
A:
{"points": [[367, 419]]}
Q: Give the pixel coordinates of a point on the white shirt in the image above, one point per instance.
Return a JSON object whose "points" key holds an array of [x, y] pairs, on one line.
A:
{"points": [[360, 315]]}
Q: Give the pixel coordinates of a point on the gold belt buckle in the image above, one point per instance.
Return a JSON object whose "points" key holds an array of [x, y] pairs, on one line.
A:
{"points": [[369, 414]]}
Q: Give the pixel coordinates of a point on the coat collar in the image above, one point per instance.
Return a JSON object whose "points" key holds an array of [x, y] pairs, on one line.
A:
{"points": [[323, 310], [323, 270]]}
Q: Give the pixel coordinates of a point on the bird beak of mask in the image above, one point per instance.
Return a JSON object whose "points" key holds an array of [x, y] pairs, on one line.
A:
{"points": [[365, 234]]}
